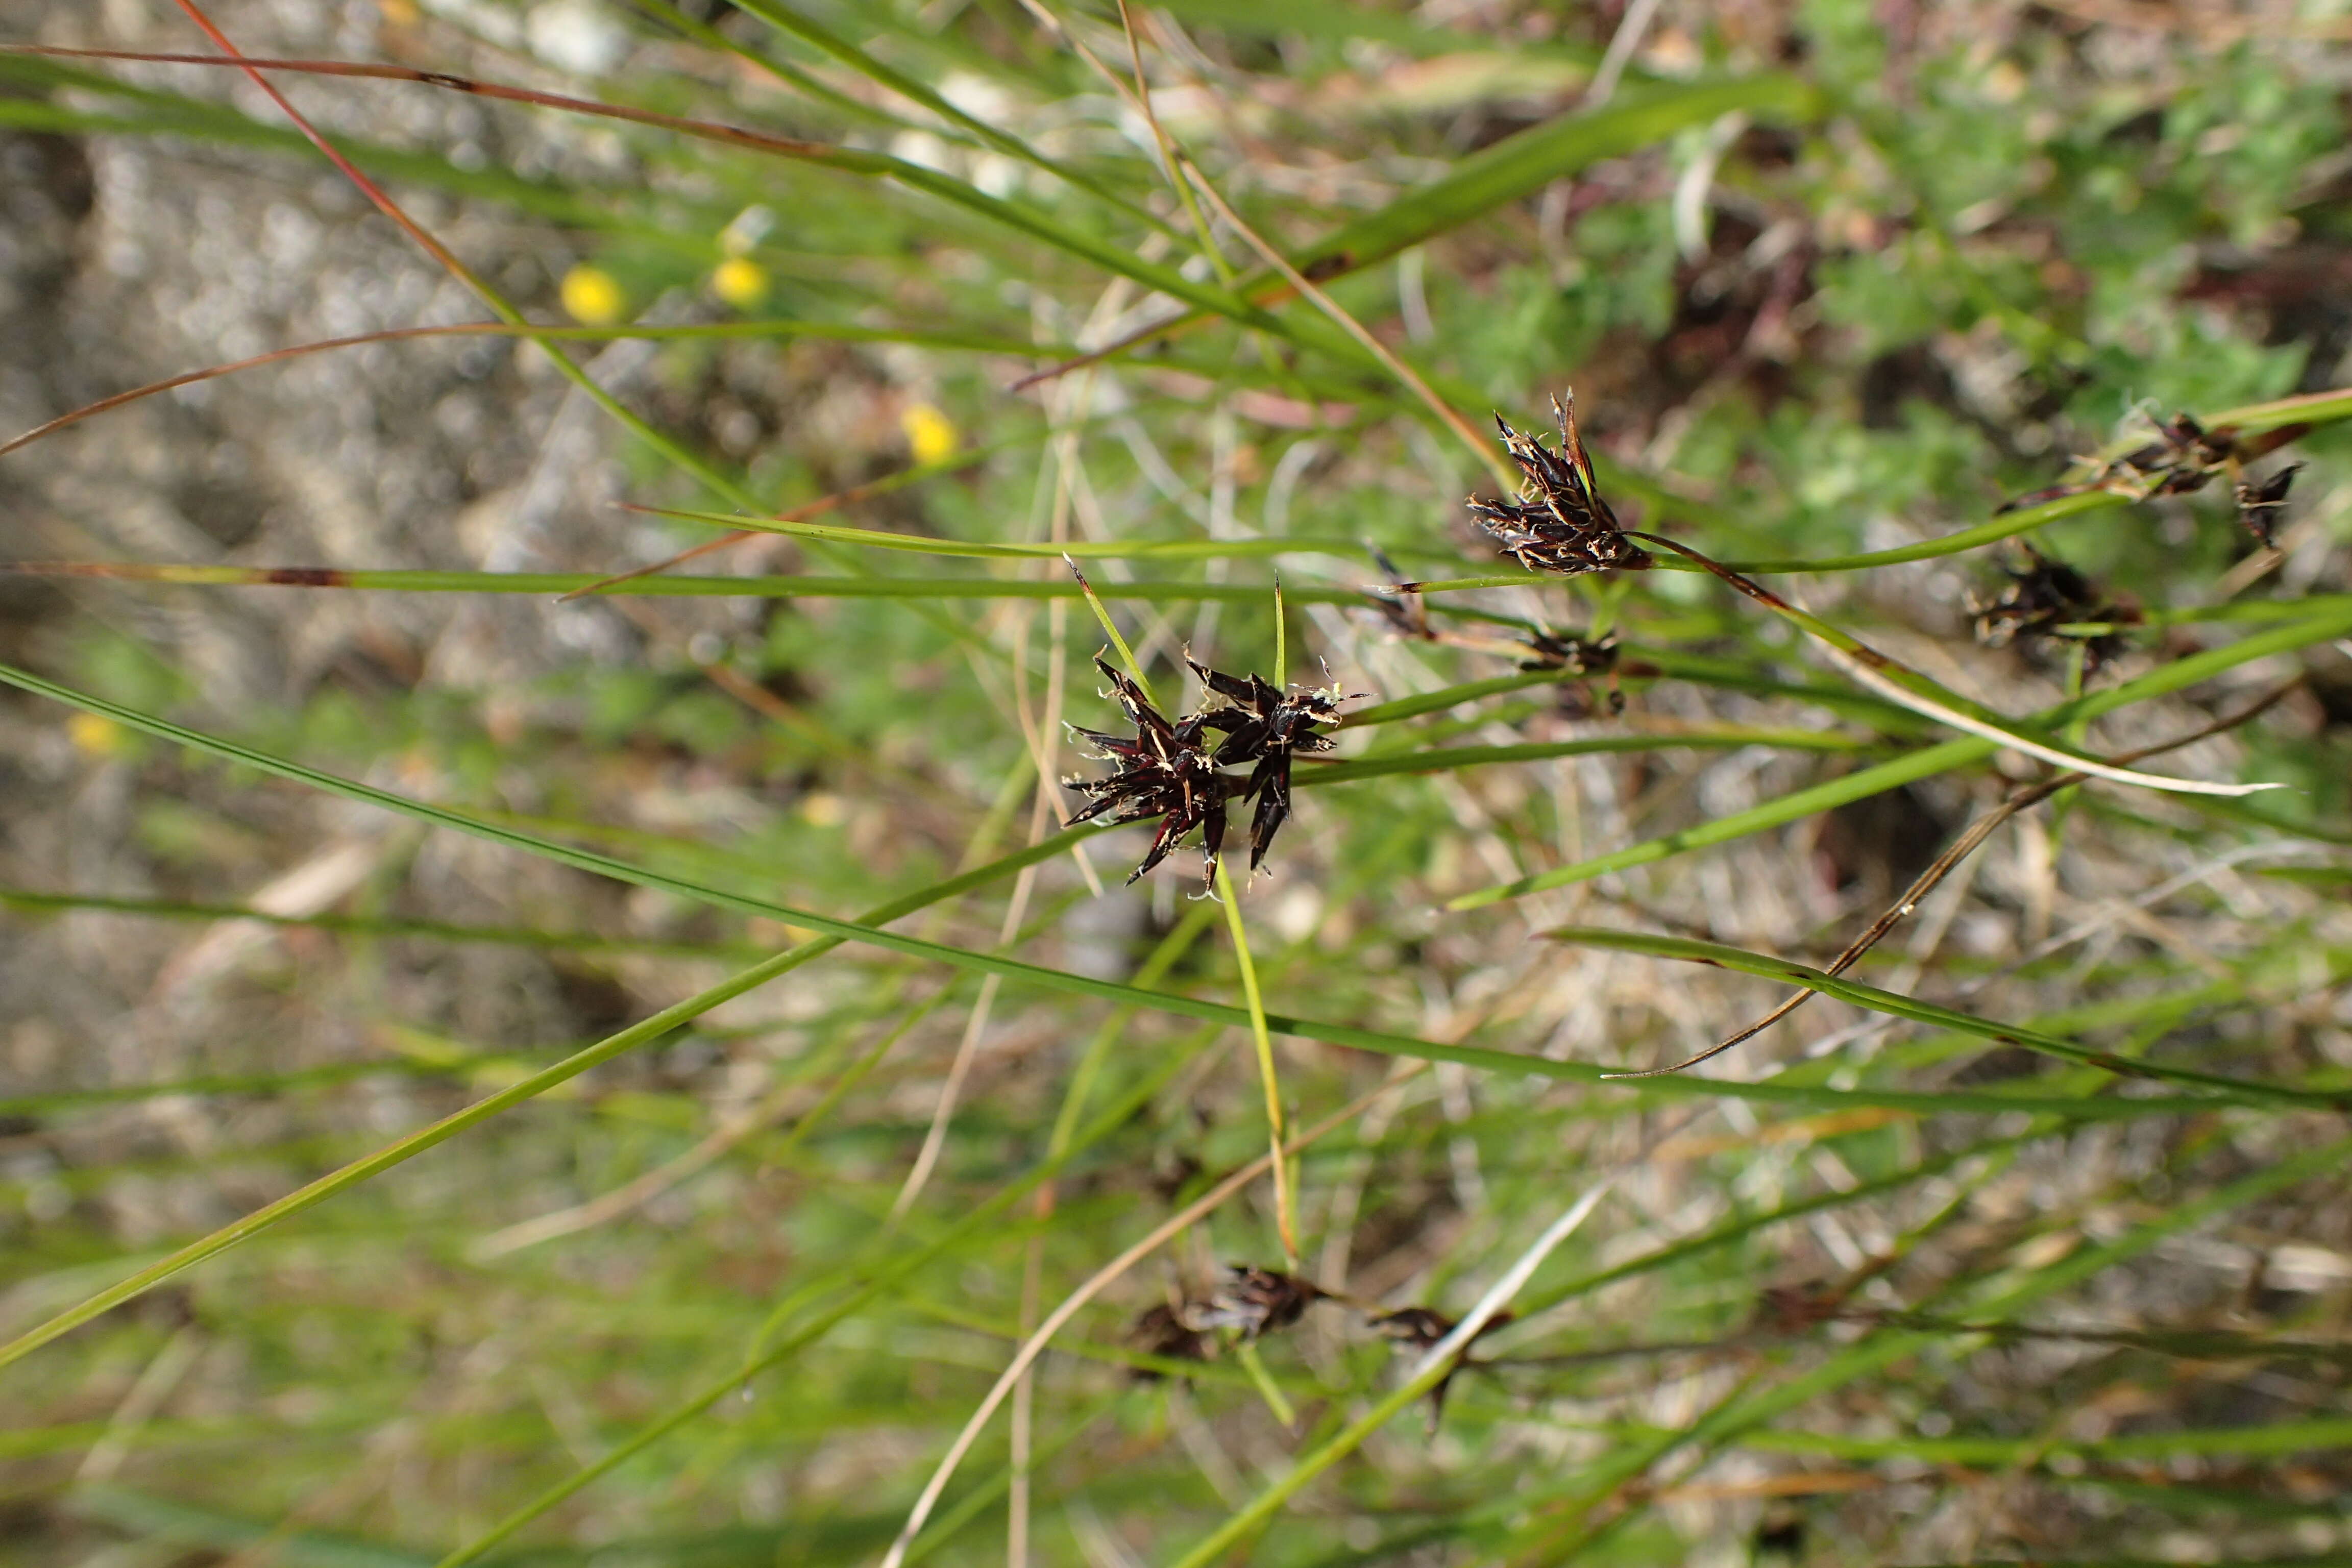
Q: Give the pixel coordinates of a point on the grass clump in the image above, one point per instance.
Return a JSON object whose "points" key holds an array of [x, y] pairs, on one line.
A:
{"points": [[571, 995]]}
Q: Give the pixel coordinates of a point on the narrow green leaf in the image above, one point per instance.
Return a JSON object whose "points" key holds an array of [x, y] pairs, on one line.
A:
{"points": [[2268, 1440], [773, 587], [1445, 759], [2008, 525], [1520, 166], [2309, 408], [376, 926], [1926, 763], [787, 20], [1084, 550], [2241, 1090], [1061, 981]]}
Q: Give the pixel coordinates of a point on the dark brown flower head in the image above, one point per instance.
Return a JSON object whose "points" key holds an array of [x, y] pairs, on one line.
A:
{"points": [[1265, 728], [1566, 651], [1165, 772], [2180, 458], [2261, 503], [1162, 1332], [1559, 522], [2178, 461], [1253, 1301], [2043, 599], [1404, 610], [1573, 655], [1420, 1329]]}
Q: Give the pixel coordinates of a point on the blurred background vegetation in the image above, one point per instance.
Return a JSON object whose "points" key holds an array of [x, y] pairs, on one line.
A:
{"points": [[1829, 278]]}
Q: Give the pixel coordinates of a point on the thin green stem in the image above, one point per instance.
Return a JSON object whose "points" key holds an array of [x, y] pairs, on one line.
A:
{"points": [[1285, 1201], [1110, 630]]}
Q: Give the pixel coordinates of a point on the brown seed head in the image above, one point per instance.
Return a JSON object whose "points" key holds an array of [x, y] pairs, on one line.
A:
{"points": [[2041, 600], [2262, 503], [1559, 523], [1254, 1301]]}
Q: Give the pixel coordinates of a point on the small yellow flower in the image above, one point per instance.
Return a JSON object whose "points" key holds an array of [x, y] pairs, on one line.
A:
{"points": [[823, 810], [94, 735], [740, 281], [930, 435], [593, 296]]}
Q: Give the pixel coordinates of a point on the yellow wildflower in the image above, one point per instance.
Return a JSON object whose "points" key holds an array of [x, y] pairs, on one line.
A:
{"points": [[95, 735], [931, 435], [740, 281], [593, 296]]}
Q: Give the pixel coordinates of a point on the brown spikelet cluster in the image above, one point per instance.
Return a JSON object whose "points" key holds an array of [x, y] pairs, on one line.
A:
{"points": [[1172, 769], [2042, 600], [1406, 617], [1559, 523], [1415, 1329], [1165, 772], [1247, 1303], [1162, 1332], [2263, 502], [1253, 1301], [2180, 458]]}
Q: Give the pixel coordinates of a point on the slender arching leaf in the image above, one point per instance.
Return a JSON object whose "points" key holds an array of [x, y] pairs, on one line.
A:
{"points": [[2008, 525], [1900, 1006], [786, 19], [403, 1149], [1440, 759], [1062, 981], [992, 549], [1925, 762], [1520, 166], [691, 587]]}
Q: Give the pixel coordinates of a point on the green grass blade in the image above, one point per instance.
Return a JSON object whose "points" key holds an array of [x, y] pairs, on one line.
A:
{"points": [[171, 114], [2008, 525], [874, 1283], [556, 583], [1285, 1213], [1925, 764], [1520, 165], [1510, 171], [331, 1074], [403, 1149], [1061, 981], [1084, 550], [786, 20], [1444, 759], [374, 926], [2268, 1440], [2312, 409], [2241, 1090]]}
